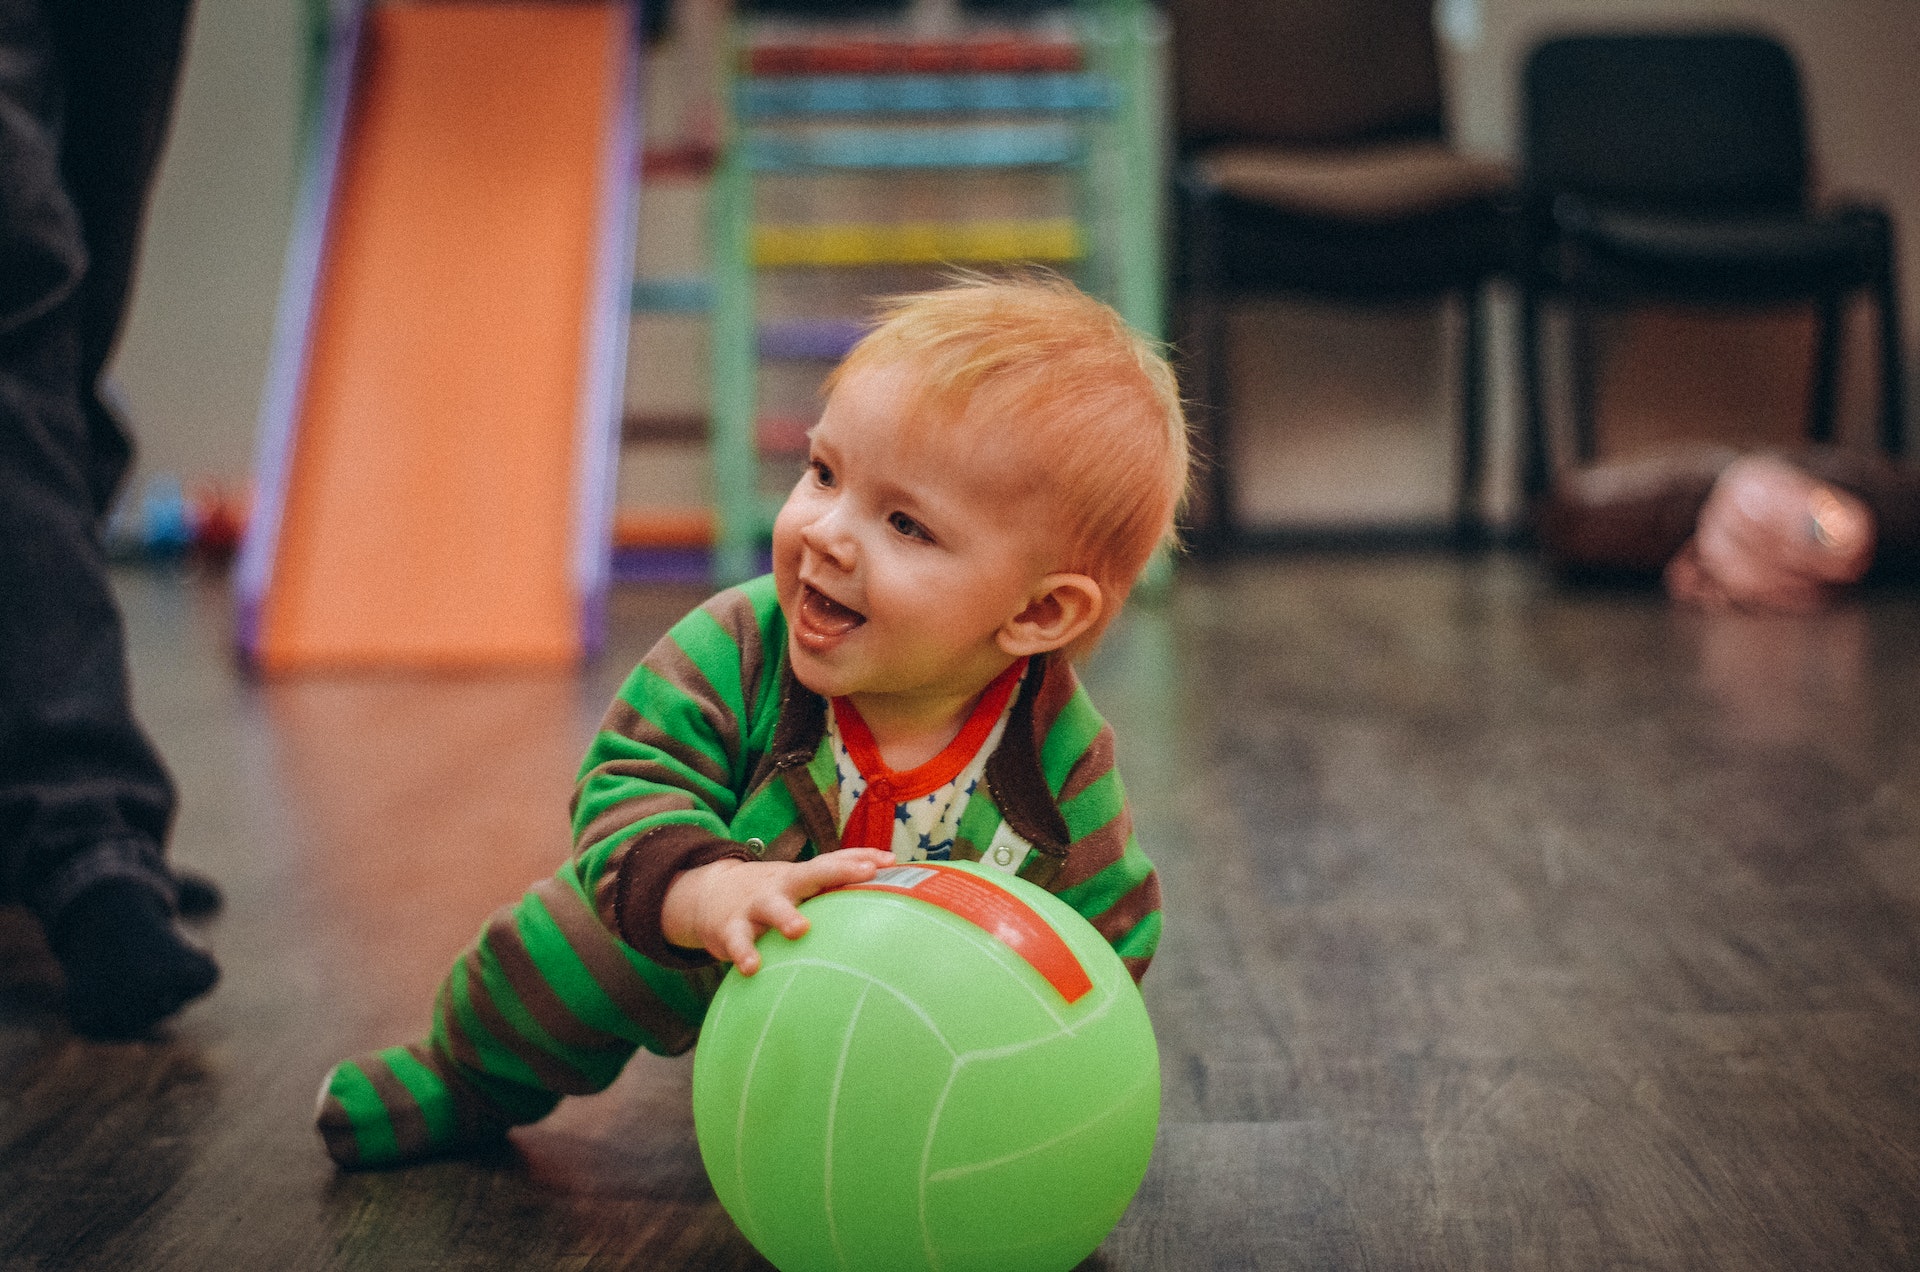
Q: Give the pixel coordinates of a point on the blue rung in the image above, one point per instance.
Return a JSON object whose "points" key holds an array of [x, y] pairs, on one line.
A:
{"points": [[672, 295], [827, 339], [991, 147], [920, 94]]}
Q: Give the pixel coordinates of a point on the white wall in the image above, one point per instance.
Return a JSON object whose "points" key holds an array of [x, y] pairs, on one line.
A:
{"points": [[194, 351]]}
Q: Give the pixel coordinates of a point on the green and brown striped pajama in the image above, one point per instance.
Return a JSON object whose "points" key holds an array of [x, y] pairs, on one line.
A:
{"points": [[711, 750]]}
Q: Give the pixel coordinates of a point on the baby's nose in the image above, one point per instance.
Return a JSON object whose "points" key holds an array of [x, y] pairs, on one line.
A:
{"points": [[830, 537]]}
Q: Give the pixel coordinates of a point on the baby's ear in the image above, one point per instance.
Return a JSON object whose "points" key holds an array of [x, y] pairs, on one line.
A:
{"points": [[1061, 609]]}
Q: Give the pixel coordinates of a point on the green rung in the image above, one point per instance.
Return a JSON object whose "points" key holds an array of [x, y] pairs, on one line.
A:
{"points": [[1121, 50], [736, 459], [1137, 127]]}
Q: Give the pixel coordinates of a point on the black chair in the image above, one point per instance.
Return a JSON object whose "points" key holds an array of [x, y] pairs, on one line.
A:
{"points": [[1312, 159], [1672, 166]]}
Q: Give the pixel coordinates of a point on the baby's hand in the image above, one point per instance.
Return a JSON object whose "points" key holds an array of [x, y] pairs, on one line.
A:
{"points": [[724, 906]]}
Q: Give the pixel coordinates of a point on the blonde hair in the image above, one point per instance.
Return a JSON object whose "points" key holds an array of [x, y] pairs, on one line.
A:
{"points": [[1032, 355]]}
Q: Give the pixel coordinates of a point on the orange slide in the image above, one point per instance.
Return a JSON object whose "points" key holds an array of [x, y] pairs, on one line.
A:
{"points": [[441, 423]]}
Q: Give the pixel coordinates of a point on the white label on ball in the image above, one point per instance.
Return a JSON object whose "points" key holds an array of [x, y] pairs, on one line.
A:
{"points": [[1006, 852], [903, 876]]}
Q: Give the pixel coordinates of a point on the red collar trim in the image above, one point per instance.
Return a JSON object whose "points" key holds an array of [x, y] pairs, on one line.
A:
{"points": [[871, 823]]}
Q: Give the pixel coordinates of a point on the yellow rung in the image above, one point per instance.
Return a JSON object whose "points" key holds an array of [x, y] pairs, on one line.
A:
{"points": [[918, 242]]}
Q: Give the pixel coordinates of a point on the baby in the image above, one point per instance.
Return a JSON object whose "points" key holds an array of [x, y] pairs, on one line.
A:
{"points": [[996, 463]]}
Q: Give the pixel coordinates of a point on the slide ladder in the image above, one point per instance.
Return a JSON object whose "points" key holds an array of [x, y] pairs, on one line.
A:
{"points": [[1077, 99]]}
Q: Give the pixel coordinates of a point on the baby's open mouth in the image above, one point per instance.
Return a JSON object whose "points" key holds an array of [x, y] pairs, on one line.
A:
{"points": [[826, 615]]}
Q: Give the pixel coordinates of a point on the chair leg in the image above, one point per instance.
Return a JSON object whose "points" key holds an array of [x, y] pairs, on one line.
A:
{"points": [[1828, 321], [1534, 468], [1583, 372], [1893, 370], [1467, 524], [1206, 317], [1222, 530]]}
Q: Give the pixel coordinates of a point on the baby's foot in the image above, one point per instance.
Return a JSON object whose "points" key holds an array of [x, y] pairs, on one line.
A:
{"points": [[400, 1105], [127, 965], [1773, 538]]}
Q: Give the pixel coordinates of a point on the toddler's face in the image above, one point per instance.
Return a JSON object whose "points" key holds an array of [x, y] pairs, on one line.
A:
{"points": [[899, 559]]}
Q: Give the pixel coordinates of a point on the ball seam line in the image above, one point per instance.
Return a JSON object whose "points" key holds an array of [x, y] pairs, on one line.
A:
{"points": [[833, 1114]]}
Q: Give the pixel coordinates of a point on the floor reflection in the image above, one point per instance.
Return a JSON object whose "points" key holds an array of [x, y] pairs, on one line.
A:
{"points": [[422, 804], [1787, 681]]}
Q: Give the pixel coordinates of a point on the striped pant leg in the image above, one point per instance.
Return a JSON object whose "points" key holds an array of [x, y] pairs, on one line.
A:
{"points": [[546, 1002]]}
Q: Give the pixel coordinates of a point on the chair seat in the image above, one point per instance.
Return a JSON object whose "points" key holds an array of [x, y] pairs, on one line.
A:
{"points": [[1759, 258], [1387, 181]]}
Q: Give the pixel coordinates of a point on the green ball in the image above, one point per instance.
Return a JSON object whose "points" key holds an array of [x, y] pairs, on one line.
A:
{"points": [[902, 1088]]}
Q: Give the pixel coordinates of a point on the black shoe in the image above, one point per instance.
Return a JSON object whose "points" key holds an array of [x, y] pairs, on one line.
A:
{"points": [[196, 895], [127, 965]]}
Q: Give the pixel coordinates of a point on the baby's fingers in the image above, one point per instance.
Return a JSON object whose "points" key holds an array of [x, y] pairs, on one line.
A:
{"points": [[737, 946], [835, 869], [782, 915]]}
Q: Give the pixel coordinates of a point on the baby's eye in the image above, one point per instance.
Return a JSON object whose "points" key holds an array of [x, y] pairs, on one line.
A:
{"points": [[822, 473], [906, 525]]}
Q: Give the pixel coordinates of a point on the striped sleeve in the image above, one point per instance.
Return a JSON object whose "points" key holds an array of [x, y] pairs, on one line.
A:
{"points": [[1106, 877], [666, 772]]}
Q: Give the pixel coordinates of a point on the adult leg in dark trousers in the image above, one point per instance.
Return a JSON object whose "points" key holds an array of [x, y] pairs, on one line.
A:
{"points": [[86, 87]]}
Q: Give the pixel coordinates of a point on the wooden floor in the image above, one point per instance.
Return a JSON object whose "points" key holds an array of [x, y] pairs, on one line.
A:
{"points": [[1507, 928]]}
